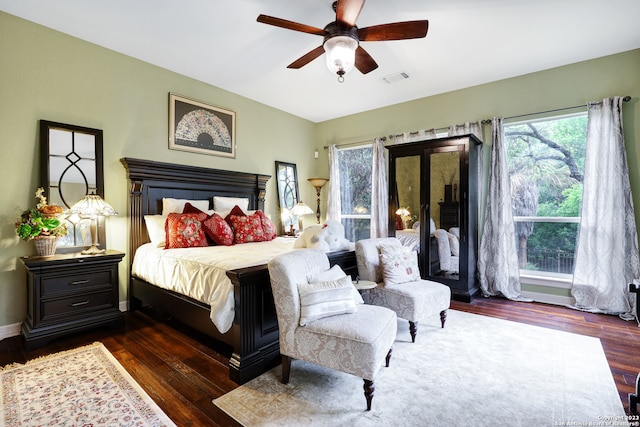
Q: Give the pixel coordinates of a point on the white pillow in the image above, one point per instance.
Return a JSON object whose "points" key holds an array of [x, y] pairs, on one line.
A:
{"points": [[399, 264], [454, 244], [177, 205], [324, 299], [155, 228], [334, 273], [432, 226], [225, 204]]}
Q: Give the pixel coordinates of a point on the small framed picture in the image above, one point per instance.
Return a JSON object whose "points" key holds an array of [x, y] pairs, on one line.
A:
{"points": [[201, 128]]}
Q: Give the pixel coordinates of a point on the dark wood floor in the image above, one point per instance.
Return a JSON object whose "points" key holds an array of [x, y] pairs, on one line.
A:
{"points": [[184, 372]]}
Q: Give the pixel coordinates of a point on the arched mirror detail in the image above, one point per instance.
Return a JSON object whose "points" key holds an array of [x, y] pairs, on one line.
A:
{"points": [[71, 167]]}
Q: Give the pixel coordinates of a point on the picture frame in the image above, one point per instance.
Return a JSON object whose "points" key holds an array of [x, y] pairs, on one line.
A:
{"points": [[198, 127]]}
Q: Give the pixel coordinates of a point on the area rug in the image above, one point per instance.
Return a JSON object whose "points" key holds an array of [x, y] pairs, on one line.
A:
{"points": [[81, 387], [477, 371]]}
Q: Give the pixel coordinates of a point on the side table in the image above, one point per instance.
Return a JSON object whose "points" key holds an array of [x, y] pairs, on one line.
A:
{"points": [[70, 292]]}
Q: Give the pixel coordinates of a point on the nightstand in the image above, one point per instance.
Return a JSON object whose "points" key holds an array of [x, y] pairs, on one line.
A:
{"points": [[70, 292]]}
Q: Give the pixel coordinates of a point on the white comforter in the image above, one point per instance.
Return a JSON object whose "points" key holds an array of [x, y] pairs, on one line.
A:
{"points": [[200, 273]]}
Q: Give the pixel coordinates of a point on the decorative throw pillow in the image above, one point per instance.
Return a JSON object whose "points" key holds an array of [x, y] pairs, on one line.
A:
{"points": [[334, 273], [184, 231], [155, 229], [246, 228], [324, 299], [269, 228], [399, 264], [218, 230]]}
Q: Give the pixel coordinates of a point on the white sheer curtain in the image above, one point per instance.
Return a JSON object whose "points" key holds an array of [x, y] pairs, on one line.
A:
{"points": [[607, 250], [497, 256], [379, 192], [334, 208]]}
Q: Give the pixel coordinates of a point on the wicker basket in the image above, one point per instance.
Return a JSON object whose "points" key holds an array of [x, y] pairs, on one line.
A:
{"points": [[46, 245]]}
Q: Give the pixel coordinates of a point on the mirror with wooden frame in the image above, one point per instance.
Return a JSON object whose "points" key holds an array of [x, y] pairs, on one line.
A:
{"points": [[71, 167], [288, 196]]}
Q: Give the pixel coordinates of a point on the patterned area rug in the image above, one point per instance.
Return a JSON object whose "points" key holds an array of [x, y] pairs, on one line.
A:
{"points": [[81, 387], [477, 371]]}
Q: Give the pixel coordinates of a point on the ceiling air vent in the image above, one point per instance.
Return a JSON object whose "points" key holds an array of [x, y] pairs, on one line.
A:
{"points": [[392, 78]]}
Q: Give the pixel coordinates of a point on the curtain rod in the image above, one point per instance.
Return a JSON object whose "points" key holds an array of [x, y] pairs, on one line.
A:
{"points": [[382, 138], [484, 122], [488, 121]]}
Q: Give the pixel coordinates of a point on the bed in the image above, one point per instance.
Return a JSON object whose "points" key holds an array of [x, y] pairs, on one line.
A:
{"points": [[253, 336]]}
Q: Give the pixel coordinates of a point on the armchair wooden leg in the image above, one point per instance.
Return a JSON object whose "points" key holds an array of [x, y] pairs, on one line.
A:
{"points": [[413, 329], [388, 358], [443, 317], [286, 369], [369, 388]]}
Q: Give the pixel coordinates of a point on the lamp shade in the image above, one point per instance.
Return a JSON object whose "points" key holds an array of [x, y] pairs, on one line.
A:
{"points": [[318, 182], [300, 209], [341, 54], [92, 205]]}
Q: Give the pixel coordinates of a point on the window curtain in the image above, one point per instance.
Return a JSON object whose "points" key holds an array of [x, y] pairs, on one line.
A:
{"points": [[379, 192], [607, 250], [498, 268], [420, 135], [334, 208]]}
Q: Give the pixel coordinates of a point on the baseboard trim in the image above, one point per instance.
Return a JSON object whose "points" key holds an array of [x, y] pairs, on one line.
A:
{"points": [[8, 331], [549, 298], [123, 306]]}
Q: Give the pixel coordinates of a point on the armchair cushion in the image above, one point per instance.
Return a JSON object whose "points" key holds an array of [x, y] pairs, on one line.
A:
{"points": [[334, 273], [399, 264], [324, 299]]}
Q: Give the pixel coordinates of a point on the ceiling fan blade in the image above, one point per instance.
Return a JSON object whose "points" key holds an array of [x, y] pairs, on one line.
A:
{"points": [[306, 58], [290, 25], [394, 31], [364, 62], [347, 11]]}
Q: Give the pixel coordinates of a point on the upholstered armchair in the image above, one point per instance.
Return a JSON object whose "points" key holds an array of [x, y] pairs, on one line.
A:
{"points": [[322, 320], [400, 287]]}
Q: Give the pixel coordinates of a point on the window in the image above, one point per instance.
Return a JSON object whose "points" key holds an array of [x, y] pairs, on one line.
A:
{"points": [[545, 158], [354, 165]]}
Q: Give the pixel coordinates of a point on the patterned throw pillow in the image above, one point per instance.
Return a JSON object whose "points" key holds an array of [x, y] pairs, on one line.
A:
{"points": [[399, 264], [218, 230], [324, 299], [269, 228], [184, 231], [246, 228]]}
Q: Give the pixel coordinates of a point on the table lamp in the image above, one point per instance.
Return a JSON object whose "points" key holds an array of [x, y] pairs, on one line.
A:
{"points": [[92, 206], [300, 209]]}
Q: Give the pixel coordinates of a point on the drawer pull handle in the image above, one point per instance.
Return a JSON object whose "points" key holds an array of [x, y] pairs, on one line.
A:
{"points": [[79, 282], [78, 304]]}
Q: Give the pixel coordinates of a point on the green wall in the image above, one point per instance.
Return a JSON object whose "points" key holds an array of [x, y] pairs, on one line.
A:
{"points": [[561, 87], [48, 75]]}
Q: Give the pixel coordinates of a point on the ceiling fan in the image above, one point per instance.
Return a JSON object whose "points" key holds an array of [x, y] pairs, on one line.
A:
{"points": [[342, 38]]}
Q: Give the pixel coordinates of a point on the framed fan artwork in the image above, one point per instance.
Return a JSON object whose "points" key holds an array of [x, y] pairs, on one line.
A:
{"points": [[201, 128]]}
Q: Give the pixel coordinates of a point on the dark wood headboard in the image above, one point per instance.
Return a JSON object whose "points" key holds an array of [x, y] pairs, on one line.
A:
{"points": [[151, 181]]}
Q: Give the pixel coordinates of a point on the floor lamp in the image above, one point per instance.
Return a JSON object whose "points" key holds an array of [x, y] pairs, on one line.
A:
{"points": [[318, 183]]}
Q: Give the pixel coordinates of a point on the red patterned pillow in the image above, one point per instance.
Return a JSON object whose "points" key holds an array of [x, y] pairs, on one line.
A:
{"points": [[246, 228], [269, 228], [218, 230], [184, 231]]}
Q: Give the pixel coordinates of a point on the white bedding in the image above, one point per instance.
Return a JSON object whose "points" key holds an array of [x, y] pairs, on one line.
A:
{"points": [[200, 273]]}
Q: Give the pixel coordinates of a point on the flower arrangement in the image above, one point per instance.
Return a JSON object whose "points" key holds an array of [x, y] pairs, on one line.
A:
{"points": [[40, 221]]}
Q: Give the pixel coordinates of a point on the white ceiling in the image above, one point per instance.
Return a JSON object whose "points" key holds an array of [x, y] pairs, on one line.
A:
{"points": [[469, 42]]}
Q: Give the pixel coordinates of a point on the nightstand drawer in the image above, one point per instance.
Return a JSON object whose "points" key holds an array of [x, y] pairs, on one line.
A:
{"points": [[74, 282], [77, 304]]}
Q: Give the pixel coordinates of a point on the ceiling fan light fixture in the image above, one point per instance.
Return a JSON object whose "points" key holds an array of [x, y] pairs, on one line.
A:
{"points": [[340, 52]]}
